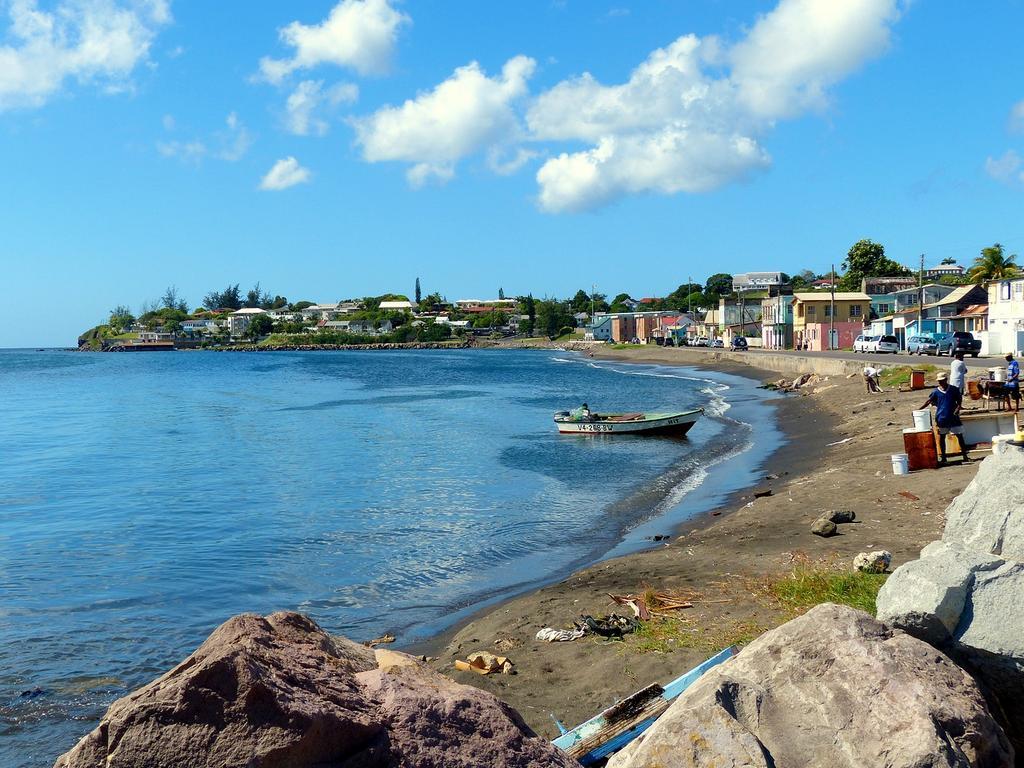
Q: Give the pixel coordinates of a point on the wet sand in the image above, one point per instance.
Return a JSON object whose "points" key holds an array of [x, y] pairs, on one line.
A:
{"points": [[722, 557]]}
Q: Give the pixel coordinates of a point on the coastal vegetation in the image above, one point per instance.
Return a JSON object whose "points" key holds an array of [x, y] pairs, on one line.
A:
{"points": [[781, 597]]}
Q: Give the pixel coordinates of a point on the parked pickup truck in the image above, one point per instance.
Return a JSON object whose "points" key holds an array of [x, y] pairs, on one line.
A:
{"points": [[961, 341]]}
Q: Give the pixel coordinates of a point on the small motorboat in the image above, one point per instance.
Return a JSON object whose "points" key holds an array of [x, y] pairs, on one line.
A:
{"points": [[627, 423]]}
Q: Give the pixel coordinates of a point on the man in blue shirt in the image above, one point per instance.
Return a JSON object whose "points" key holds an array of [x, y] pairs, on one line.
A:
{"points": [[1012, 385], [947, 401]]}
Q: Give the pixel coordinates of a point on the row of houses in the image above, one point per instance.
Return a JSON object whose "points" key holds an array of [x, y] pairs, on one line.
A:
{"points": [[345, 316], [821, 320]]}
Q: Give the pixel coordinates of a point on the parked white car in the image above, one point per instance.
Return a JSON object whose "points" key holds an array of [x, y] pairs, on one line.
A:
{"points": [[886, 344], [864, 343]]}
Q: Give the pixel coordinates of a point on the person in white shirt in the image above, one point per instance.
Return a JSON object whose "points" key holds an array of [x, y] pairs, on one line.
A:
{"points": [[871, 379], [958, 372]]}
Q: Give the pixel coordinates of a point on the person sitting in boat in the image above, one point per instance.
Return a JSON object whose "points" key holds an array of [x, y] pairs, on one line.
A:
{"points": [[583, 413]]}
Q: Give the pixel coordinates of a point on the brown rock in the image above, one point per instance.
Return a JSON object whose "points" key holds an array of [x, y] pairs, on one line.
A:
{"points": [[832, 688], [279, 692], [823, 527]]}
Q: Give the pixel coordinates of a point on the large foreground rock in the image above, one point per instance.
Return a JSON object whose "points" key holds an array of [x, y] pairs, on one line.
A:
{"points": [[832, 688], [965, 595], [279, 692]]}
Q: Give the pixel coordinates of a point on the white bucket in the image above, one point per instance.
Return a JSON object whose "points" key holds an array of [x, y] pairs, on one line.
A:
{"points": [[900, 464], [922, 420], [998, 374]]}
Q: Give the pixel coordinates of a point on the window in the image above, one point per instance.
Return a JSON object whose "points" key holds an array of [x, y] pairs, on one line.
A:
{"points": [[828, 310], [883, 309], [1004, 291], [1018, 290], [811, 310], [855, 310]]}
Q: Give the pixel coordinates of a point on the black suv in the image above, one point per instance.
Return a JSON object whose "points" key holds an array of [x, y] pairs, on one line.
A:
{"points": [[739, 342]]}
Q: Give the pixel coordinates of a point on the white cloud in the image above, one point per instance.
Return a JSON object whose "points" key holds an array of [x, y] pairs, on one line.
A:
{"points": [[90, 41], [1016, 121], [690, 118], [285, 173], [309, 99], [230, 144], [795, 52], [1008, 169], [463, 115], [191, 152], [235, 141], [359, 34]]}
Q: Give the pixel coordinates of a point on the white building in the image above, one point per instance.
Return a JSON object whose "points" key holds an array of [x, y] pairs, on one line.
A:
{"points": [[398, 306], [238, 322], [756, 281], [1005, 318]]}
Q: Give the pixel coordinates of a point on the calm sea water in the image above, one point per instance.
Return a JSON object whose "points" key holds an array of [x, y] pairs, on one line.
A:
{"points": [[145, 498]]}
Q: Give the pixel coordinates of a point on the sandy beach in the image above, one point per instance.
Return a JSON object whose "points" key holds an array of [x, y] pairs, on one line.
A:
{"points": [[840, 439]]}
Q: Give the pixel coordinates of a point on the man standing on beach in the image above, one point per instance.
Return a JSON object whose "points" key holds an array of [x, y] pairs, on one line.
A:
{"points": [[958, 372], [947, 401], [1012, 385]]}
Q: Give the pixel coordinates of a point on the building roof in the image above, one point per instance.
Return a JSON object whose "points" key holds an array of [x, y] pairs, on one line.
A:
{"points": [[250, 311], [824, 296], [397, 304], [974, 310], [954, 297]]}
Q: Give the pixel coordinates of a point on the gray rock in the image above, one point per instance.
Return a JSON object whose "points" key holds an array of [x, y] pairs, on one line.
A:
{"points": [[966, 593], [842, 516], [278, 691], [832, 688], [927, 597], [992, 621], [823, 527], [989, 515]]}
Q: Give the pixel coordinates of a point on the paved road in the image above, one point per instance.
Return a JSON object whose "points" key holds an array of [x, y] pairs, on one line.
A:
{"points": [[901, 358]]}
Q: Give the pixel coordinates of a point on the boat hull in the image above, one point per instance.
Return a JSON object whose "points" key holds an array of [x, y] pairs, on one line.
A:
{"points": [[653, 424]]}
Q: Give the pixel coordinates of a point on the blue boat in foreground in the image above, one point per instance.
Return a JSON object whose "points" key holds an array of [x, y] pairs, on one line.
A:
{"points": [[608, 732]]}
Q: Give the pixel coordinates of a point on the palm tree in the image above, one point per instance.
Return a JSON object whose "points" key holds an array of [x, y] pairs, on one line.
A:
{"points": [[993, 265]]}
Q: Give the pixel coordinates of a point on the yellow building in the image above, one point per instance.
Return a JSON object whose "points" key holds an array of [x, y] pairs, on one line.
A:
{"points": [[812, 319]]}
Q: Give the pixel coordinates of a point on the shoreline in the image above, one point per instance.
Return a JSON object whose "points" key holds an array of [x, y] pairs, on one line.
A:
{"points": [[625, 545], [835, 456], [784, 409]]}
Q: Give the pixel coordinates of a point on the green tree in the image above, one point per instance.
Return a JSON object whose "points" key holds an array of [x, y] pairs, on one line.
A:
{"points": [[553, 315], [948, 260], [259, 326], [993, 264], [866, 258], [619, 303], [581, 301], [718, 285], [121, 318], [418, 294], [171, 300], [229, 298], [803, 279], [256, 298]]}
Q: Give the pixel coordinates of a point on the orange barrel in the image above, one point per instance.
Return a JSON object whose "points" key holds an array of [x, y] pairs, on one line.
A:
{"points": [[916, 379]]}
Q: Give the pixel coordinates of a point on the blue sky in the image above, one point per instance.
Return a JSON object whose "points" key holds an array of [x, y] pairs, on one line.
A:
{"points": [[333, 149]]}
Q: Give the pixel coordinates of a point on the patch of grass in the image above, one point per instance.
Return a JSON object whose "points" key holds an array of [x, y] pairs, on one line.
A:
{"points": [[664, 635], [574, 336], [900, 374], [812, 583], [621, 346]]}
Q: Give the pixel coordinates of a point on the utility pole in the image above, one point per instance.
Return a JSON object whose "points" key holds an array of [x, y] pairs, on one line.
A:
{"points": [[920, 298], [832, 311]]}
